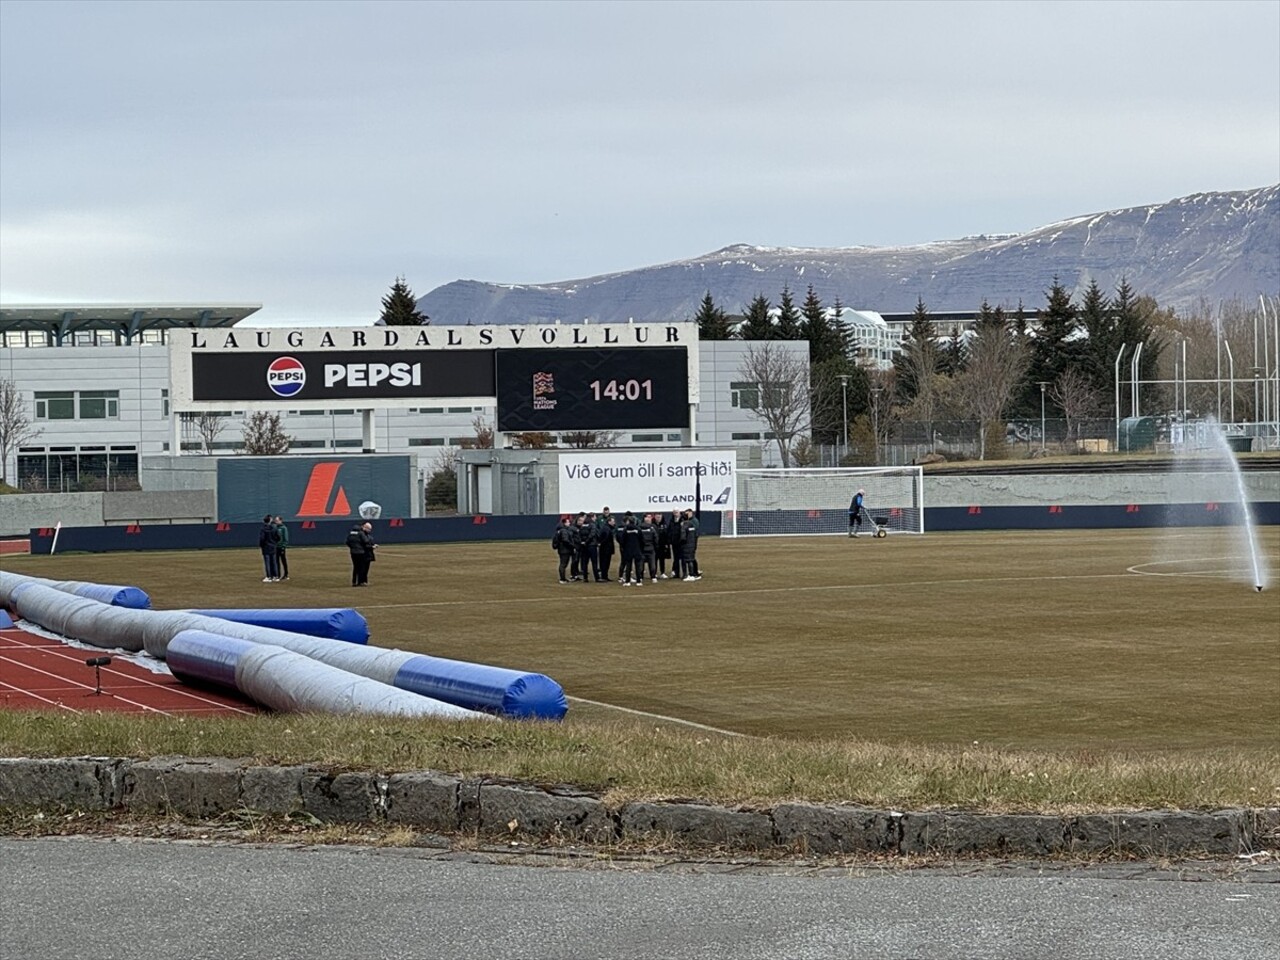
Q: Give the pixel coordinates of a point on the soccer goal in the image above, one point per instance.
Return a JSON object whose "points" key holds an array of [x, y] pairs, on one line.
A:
{"points": [[815, 500]]}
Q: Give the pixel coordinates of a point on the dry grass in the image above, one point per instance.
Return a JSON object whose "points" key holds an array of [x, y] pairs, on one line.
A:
{"points": [[994, 671]]}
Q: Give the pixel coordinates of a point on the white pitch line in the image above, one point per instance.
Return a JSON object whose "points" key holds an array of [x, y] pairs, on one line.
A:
{"points": [[657, 716]]}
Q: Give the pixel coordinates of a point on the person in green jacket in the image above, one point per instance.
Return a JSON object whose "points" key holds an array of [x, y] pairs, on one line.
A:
{"points": [[282, 549]]}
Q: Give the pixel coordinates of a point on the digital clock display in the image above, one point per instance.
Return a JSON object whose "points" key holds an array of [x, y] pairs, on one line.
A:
{"points": [[590, 388]]}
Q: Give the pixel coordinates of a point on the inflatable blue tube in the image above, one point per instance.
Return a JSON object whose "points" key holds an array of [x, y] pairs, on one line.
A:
{"points": [[130, 598], [482, 687], [332, 623]]}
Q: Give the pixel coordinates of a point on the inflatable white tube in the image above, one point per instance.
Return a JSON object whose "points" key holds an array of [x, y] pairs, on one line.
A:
{"points": [[291, 683]]}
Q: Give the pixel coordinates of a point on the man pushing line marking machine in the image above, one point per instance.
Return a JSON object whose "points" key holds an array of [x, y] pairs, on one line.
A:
{"points": [[856, 511]]}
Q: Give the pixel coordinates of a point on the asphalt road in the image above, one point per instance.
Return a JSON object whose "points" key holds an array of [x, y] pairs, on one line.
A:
{"points": [[106, 899]]}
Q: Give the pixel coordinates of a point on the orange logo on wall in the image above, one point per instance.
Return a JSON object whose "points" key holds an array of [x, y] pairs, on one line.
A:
{"points": [[324, 496]]}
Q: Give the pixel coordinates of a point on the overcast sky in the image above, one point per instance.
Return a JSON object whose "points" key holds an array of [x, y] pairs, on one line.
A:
{"points": [[302, 155]]}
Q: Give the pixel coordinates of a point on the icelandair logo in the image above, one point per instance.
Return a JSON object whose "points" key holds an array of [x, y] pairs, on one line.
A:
{"points": [[324, 496]]}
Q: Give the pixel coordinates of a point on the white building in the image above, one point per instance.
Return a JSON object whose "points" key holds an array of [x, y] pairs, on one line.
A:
{"points": [[95, 383], [875, 341]]}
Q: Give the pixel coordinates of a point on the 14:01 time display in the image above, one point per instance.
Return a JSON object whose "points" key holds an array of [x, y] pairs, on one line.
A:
{"points": [[621, 389]]}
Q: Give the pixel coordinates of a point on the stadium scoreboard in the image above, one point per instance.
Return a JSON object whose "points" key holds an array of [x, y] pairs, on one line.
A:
{"points": [[540, 377]]}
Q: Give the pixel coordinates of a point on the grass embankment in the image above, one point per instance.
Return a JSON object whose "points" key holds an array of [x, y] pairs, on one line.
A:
{"points": [[632, 759], [1003, 671]]}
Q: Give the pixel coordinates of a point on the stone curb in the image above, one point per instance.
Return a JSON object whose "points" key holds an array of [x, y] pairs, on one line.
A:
{"points": [[204, 788]]}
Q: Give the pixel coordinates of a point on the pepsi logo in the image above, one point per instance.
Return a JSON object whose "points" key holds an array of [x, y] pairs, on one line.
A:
{"points": [[286, 376]]}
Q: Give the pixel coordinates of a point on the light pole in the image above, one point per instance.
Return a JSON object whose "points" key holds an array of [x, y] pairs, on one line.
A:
{"points": [[875, 423], [1043, 384], [844, 418]]}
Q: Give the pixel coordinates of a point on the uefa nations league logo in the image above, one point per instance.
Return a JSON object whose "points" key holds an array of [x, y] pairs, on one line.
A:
{"points": [[544, 391], [286, 376]]}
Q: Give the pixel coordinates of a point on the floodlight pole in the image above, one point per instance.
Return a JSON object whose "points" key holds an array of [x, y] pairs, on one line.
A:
{"points": [[844, 410], [1043, 384], [1117, 381]]}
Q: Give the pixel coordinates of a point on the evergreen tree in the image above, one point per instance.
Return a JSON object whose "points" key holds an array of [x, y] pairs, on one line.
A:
{"points": [[1054, 348], [953, 354], [400, 307], [825, 342], [918, 360], [713, 323], [1098, 352], [788, 327], [1133, 315], [833, 402], [756, 324], [843, 334]]}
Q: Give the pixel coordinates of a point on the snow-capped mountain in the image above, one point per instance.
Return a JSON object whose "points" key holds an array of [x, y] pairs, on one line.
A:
{"points": [[1208, 246]]}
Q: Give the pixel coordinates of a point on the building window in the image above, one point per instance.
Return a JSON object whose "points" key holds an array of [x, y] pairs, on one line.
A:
{"points": [[426, 441], [77, 404], [746, 436], [646, 438], [347, 443], [460, 409], [674, 437], [99, 404], [427, 410], [164, 403], [306, 444], [745, 395], [56, 405]]}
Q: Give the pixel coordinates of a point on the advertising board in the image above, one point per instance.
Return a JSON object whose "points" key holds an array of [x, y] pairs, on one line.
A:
{"points": [[647, 481], [312, 488]]}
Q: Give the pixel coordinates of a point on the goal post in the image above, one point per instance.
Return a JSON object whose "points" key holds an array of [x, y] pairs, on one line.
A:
{"points": [[815, 500]]}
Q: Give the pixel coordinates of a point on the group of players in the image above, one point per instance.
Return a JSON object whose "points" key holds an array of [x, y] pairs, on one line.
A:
{"points": [[586, 545]]}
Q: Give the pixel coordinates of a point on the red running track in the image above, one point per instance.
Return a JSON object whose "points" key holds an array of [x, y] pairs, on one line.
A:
{"points": [[38, 673]]}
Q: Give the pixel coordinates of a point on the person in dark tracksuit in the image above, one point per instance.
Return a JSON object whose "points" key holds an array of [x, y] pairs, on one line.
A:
{"points": [[689, 546], [588, 560], [649, 548], [360, 544], [573, 564], [673, 539], [269, 543], [282, 548], [629, 542], [564, 543], [605, 545], [664, 545]]}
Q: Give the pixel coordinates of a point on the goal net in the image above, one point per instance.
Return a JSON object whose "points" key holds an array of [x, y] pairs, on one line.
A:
{"points": [[802, 501]]}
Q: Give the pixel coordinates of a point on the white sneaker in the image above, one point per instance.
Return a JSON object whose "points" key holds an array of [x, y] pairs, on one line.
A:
{"points": [[266, 579], [690, 579], [662, 576], [698, 577]]}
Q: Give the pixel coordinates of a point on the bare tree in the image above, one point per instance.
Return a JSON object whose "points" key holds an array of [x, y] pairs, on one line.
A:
{"points": [[264, 436], [590, 439], [208, 426], [1077, 397], [532, 440], [483, 435], [997, 359], [781, 395], [16, 428]]}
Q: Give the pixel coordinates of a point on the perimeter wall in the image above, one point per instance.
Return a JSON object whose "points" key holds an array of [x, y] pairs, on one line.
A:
{"points": [[953, 502]]}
